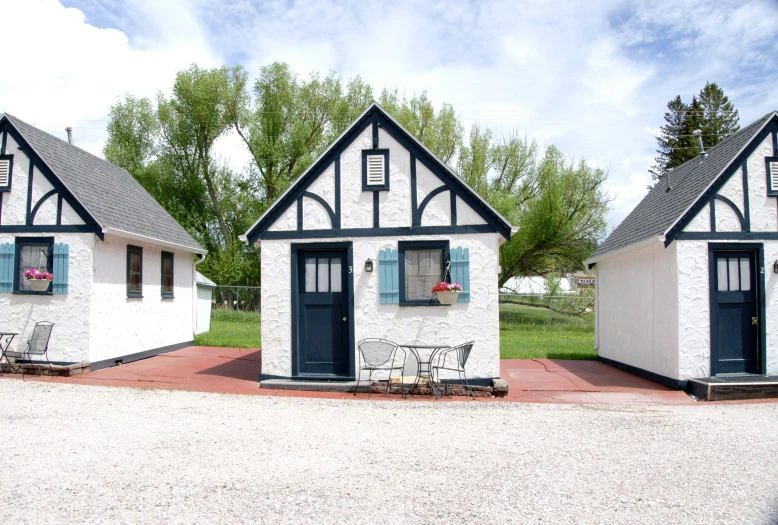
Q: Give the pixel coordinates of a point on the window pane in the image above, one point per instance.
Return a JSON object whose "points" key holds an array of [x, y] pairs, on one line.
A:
{"points": [[310, 274], [335, 276], [324, 281], [422, 272], [31, 256], [723, 283], [134, 263], [745, 274], [168, 284], [135, 282], [734, 279]]}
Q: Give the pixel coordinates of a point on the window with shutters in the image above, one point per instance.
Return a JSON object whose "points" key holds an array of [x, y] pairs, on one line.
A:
{"points": [[422, 265], [6, 170], [167, 275], [134, 271], [375, 170], [772, 175], [35, 253]]}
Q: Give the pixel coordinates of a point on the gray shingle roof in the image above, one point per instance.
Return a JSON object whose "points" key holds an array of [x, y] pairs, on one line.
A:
{"points": [[109, 194], [660, 209]]}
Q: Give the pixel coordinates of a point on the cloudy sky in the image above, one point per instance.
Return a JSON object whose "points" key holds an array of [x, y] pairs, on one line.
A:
{"points": [[590, 77]]}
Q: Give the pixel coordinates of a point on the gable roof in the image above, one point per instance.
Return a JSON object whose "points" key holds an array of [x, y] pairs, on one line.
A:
{"points": [[108, 193], [375, 112], [661, 211]]}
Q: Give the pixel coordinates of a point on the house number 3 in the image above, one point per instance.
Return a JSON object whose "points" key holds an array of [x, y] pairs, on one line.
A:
{"points": [[350, 269]]}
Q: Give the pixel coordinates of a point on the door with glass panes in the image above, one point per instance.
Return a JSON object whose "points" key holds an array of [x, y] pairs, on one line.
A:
{"points": [[734, 313], [322, 303]]}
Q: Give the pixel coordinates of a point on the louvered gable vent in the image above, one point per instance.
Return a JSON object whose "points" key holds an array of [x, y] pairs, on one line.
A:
{"points": [[774, 175], [5, 173], [375, 170]]}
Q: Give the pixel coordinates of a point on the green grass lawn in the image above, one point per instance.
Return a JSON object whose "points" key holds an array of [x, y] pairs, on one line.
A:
{"points": [[232, 329], [524, 333]]}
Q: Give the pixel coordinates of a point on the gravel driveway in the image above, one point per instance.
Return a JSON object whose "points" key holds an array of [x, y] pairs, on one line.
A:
{"points": [[74, 454]]}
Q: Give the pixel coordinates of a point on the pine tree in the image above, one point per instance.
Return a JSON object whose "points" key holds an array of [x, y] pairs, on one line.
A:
{"points": [[687, 143], [719, 116], [670, 136]]}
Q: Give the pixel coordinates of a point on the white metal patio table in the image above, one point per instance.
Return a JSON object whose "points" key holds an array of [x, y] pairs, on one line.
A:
{"points": [[424, 366]]}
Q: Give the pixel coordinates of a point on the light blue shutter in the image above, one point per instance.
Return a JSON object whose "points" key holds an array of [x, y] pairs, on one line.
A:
{"points": [[460, 271], [60, 284], [389, 276], [7, 251]]}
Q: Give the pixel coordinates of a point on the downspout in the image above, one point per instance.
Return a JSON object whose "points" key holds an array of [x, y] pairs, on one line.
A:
{"points": [[194, 289]]}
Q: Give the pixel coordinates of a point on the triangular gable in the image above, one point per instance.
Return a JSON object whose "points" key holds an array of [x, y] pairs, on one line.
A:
{"points": [[60, 188], [664, 214], [376, 115]]}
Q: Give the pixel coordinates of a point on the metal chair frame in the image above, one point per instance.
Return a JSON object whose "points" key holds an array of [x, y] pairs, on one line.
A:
{"points": [[462, 353], [389, 364], [41, 335]]}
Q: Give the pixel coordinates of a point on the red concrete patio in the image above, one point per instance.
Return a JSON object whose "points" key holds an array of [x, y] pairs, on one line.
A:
{"points": [[235, 371]]}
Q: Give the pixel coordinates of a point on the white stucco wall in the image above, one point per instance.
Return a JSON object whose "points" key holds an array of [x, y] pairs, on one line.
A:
{"points": [[638, 309], [203, 313], [356, 205], [287, 221], [701, 221], [121, 325], [763, 209], [71, 313], [461, 322], [15, 202], [315, 217], [466, 215]]}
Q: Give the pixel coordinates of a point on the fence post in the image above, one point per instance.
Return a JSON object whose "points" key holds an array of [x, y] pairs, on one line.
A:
{"points": [[550, 311], [237, 299]]}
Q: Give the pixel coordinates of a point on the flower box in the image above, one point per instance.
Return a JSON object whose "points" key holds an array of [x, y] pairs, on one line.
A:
{"points": [[39, 285]]}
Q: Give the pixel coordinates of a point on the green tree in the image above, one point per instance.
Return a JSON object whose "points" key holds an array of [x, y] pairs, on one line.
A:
{"points": [[719, 117], [669, 139]]}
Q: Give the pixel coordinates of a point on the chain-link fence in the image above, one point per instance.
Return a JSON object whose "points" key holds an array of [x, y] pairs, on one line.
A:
{"points": [[237, 298], [559, 309]]}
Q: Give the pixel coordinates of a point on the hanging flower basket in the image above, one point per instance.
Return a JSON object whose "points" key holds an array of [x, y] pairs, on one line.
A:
{"points": [[447, 293], [39, 281]]}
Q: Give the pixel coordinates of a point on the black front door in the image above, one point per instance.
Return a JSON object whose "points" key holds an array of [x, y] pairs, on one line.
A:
{"points": [[735, 315], [322, 303]]}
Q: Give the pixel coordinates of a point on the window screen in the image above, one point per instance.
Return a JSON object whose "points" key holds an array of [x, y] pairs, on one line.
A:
{"points": [[167, 274], [33, 253], [134, 271], [423, 269]]}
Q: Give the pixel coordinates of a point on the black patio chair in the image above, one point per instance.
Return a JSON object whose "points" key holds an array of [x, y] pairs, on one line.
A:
{"points": [[37, 345], [453, 359], [379, 355]]}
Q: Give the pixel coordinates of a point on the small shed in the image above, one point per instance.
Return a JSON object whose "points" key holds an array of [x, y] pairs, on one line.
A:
{"points": [[354, 247], [687, 284], [204, 301]]}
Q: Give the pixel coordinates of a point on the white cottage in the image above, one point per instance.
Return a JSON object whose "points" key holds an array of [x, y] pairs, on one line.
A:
{"points": [[124, 270], [687, 285], [353, 248]]}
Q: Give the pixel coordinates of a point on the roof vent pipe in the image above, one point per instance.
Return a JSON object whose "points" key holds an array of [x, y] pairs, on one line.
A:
{"points": [[669, 180], [70, 134], [698, 136]]}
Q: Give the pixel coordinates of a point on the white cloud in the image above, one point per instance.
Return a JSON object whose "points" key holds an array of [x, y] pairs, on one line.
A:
{"points": [[592, 78]]}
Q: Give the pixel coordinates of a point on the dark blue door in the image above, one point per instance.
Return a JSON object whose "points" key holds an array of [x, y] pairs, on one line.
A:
{"points": [[734, 313], [323, 340]]}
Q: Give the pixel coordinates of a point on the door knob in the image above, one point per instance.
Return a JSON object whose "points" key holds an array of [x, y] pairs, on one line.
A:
{"points": [[754, 320], [346, 318]]}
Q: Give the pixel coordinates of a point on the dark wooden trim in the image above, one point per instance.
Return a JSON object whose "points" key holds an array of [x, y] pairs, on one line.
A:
{"points": [[728, 236], [300, 213], [4, 143], [746, 199], [431, 195], [419, 245], [324, 204], [743, 227], [47, 228], [295, 249], [39, 241], [453, 208], [758, 249], [49, 174], [30, 172], [139, 251], [124, 359], [375, 187], [1, 210], [39, 204], [722, 179], [167, 255], [336, 223], [415, 219], [380, 232], [678, 384], [712, 206], [770, 191], [10, 158], [376, 210]]}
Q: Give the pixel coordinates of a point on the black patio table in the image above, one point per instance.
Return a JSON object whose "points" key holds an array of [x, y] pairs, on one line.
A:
{"points": [[5, 343], [424, 366]]}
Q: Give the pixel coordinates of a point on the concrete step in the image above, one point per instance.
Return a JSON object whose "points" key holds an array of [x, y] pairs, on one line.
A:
{"points": [[317, 386], [733, 387]]}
